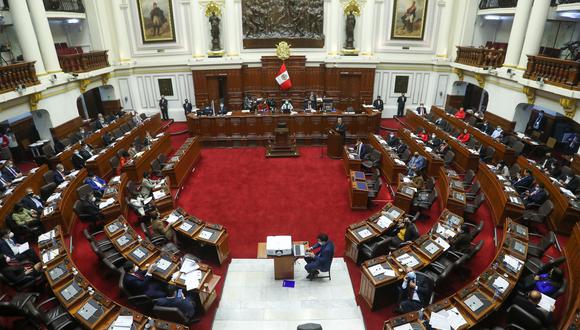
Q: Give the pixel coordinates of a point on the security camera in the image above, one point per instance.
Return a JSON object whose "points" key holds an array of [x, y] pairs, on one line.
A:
{"points": [[540, 81], [52, 78], [20, 88]]}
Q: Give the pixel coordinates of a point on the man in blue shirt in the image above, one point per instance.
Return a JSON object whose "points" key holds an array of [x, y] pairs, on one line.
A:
{"points": [[416, 164], [321, 260], [96, 183]]}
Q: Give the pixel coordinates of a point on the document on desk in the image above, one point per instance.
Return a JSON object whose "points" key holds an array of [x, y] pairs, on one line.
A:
{"points": [[408, 260], [49, 255], [473, 303], [364, 233], [52, 198], [443, 243], [512, 262], [500, 284], [188, 266], [172, 218], [47, 236], [158, 194], [23, 248], [376, 270], [115, 180], [547, 303], [163, 264], [147, 200], [405, 326], [438, 320], [205, 234], [192, 280], [384, 222], [123, 322], [63, 185], [432, 248], [455, 319], [185, 226]]}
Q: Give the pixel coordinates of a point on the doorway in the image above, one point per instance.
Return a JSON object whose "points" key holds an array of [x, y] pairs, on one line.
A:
{"points": [[217, 91]]}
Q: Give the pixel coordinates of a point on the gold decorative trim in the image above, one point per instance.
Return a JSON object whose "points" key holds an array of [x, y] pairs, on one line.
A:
{"points": [[530, 94], [459, 72], [510, 66], [33, 100], [480, 79], [569, 106], [213, 8], [283, 50], [83, 84], [105, 78], [54, 72], [352, 6]]}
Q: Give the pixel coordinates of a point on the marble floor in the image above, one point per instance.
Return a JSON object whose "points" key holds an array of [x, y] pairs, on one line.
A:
{"points": [[252, 299]]}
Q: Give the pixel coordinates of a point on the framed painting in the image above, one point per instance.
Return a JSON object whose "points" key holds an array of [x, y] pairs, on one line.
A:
{"points": [[156, 20], [409, 17], [165, 86], [401, 84]]}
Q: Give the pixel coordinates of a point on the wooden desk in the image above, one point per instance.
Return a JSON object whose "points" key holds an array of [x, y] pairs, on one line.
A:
{"points": [[180, 165], [351, 162], [142, 163], [358, 193], [502, 200], [32, 180], [452, 194], [357, 234], [241, 129], [502, 152], [283, 265], [404, 194], [116, 188], [434, 162], [391, 165], [566, 211], [464, 157], [61, 212]]}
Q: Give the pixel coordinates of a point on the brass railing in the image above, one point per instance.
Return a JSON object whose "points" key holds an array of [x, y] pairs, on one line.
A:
{"points": [[554, 71], [16, 75], [480, 57], [75, 6], [84, 62]]}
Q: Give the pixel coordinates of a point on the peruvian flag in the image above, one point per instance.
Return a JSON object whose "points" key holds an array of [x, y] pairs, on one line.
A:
{"points": [[283, 79]]}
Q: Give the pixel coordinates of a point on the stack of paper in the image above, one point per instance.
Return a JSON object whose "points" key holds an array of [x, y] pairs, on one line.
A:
{"points": [[52, 198], [384, 222], [62, 185], [172, 218], [123, 322], [408, 260], [158, 194], [190, 274], [455, 318], [443, 243], [438, 320], [364, 233], [49, 255], [547, 303], [500, 284], [115, 180], [46, 236], [106, 203]]}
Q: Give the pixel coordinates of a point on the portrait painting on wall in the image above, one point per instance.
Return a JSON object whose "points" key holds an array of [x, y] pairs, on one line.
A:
{"points": [[156, 19], [165, 86], [409, 17]]}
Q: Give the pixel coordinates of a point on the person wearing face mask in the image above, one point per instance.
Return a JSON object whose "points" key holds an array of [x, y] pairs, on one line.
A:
{"points": [[287, 107], [423, 136], [10, 172], [222, 109], [413, 293], [86, 150], [25, 217], [60, 174], [32, 201], [140, 282], [187, 107], [535, 196], [460, 114], [100, 122], [322, 259], [98, 184], [497, 133], [163, 108], [77, 160], [434, 141], [90, 209], [421, 110], [464, 137], [15, 251], [19, 272], [416, 164], [83, 134]]}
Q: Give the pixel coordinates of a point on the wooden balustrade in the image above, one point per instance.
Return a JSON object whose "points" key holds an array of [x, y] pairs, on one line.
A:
{"points": [[75, 6], [555, 71], [480, 57], [84, 62], [14, 75]]}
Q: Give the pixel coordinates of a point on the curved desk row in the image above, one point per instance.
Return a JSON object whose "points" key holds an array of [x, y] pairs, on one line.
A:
{"points": [[141, 163], [391, 164], [33, 179], [465, 158], [379, 273], [95, 140], [182, 162], [502, 152], [434, 162], [79, 297], [242, 129], [452, 194], [486, 293]]}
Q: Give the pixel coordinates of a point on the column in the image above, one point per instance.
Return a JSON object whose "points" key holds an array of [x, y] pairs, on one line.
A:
{"points": [[445, 27], [123, 44], [534, 32], [44, 36], [518, 33], [198, 30], [333, 15], [25, 34], [368, 23], [229, 25]]}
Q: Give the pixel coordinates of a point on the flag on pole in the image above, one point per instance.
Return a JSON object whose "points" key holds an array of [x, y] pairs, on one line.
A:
{"points": [[283, 79]]}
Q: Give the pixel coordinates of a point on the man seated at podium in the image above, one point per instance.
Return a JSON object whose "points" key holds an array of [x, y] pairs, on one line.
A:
{"points": [[321, 260], [416, 164], [287, 107], [263, 106], [360, 148]]}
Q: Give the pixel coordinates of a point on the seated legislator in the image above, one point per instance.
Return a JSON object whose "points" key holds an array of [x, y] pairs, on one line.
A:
{"points": [[60, 174], [90, 209], [160, 227], [322, 259], [108, 139], [15, 251], [421, 110], [460, 114], [570, 181], [392, 140], [548, 161], [19, 272], [418, 182], [10, 172], [83, 134], [414, 294], [442, 148], [96, 183], [263, 106], [378, 104], [434, 141], [502, 169], [25, 217], [423, 136], [78, 160], [416, 164], [287, 106], [86, 150], [485, 127], [139, 282], [32, 201], [132, 151], [100, 122], [185, 302], [497, 134], [147, 185], [524, 183], [464, 137], [462, 241], [547, 283], [530, 302], [147, 139], [125, 158], [361, 149], [4, 183], [403, 233], [536, 196], [58, 146]]}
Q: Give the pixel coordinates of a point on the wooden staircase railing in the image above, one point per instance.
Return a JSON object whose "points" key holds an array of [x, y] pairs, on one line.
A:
{"points": [[554, 71], [84, 62], [14, 75], [480, 57]]}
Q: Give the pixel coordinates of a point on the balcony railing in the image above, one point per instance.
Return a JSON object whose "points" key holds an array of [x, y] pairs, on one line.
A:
{"points": [[84, 62], [554, 71], [17, 75], [480, 57], [75, 6], [489, 4], [562, 2]]}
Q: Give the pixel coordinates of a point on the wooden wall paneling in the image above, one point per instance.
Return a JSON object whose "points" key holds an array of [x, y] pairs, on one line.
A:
{"points": [[454, 101], [110, 107], [67, 128]]}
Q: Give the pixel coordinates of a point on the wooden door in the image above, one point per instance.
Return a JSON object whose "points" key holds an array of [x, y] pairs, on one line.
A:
{"points": [[350, 84], [217, 90]]}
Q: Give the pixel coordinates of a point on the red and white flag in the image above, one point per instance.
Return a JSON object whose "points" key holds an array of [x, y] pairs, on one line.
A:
{"points": [[283, 78]]}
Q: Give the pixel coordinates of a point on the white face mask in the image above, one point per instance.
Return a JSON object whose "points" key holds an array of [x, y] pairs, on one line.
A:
{"points": [[11, 235]]}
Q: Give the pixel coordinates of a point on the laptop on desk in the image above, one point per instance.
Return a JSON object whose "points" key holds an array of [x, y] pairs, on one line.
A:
{"points": [[299, 250]]}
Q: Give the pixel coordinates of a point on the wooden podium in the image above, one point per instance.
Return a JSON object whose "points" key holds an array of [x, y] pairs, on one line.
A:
{"points": [[283, 265], [334, 145], [283, 145]]}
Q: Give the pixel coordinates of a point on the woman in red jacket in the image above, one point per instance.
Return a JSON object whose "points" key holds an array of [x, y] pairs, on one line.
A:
{"points": [[460, 114], [423, 136], [464, 137]]}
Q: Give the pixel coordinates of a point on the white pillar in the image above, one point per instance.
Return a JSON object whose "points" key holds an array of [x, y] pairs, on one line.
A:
{"points": [[229, 27], [367, 36], [26, 35], [535, 31], [445, 27], [44, 36], [121, 30], [331, 36], [518, 33], [198, 30]]}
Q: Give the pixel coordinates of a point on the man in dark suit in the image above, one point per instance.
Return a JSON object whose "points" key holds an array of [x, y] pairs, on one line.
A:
{"points": [[78, 160], [360, 148], [404, 231], [378, 104], [60, 174], [31, 201], [83, 134], [321, 260], [340, 128], [536, 196], [392, 140], [414, 292], [485, 127], [10, 172], [187, 107], [421, 110], [401, 149], [548, 161], [10, 248], [401, 100], [107, 139], [163, 107], [539, 121], [90, 209], [222, 109], [86, 150], [100, 122], [140, 282], [524, 183], [462, 241], [530, 303], [434, 141], [569, 181]]}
